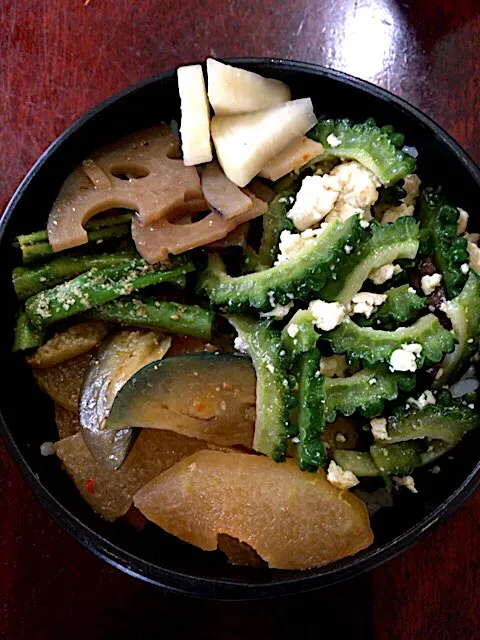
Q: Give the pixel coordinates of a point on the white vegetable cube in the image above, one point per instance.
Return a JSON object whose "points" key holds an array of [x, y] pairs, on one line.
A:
{"points": [[232, 90], [195, 123], [246, 142]]}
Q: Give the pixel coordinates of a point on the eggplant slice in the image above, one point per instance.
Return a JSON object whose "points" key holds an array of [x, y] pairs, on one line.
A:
{"points": [[116, 361]]}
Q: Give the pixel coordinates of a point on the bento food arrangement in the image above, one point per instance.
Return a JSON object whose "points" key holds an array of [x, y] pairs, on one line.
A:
{"points": [[256, 327]]}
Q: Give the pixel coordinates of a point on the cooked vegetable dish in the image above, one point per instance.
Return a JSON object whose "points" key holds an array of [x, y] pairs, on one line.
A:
{"points": [[250, 330]]}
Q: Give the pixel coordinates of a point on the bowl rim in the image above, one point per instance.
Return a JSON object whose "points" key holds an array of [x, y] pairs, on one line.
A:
{"points": [[221, 588]]}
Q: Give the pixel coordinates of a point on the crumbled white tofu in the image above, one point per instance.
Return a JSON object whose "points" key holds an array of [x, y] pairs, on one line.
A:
{"points": [[348, 249], [407, 482], [403, 359], [462, 221], [473, 237], [474, 252], [340, 478], [357, 188], [366, 303], [315, 200], [278, 312], [430, 283], [424, 399], [364, 224], [291, 243], [333, 140], [327, 315], [413, 347], [292, 330], [384, 273], [379, 428], [333, 366], [270, 367], [465, 268], [436, 469], [339, 437], [439, 374], [46, 449], [239, 345], [407, 206]]}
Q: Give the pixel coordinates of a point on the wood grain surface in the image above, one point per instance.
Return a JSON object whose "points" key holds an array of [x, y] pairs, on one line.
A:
{"points": [[60, 57]]}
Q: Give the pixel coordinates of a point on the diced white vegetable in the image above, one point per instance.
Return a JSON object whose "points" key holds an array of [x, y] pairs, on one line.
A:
{"points": [[232, 90], [245, 143], [195, 123], [291, 158]]}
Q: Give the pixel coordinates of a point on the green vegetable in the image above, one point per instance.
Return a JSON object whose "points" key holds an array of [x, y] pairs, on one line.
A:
{"points": [[375, 345], [364, 391], [35, 246], [301, 277], [30, 280], [299, 335], [264, 346], [391, 196], [402, 307], [396, 459], [358, 462], [184, 319], [98, 286], [27, 336], [378, 149], [464, 314], [274, 222], [438, 221], [311, 422], [445, 422], [394, 241]]}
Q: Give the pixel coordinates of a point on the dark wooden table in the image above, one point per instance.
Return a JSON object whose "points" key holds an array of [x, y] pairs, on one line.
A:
{"points": [[60, 57]]}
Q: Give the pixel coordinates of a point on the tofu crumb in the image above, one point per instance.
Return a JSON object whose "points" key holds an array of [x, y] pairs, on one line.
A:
{"points": [[348, 249], [430, 283], [333, 140], [333, 366], [46, 449], [292, 243], [474, 252], [292, 330], [424, 399], [439, 374], [271, 368], [413, 347], [407, 482], [372, 381], [465, 268], [239, 345], [364, 224], [384, 273], [436, 469], [366, 303], [340, 478], [462, 221], [327, 315], [403, 359], [339, 437], [407, 205], [379, 428], [278, 312], [296, 440]]}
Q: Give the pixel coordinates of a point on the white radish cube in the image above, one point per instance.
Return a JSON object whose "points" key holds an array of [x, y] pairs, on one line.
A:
{"points": [[232, 90], [195, 122], [246, 142]]}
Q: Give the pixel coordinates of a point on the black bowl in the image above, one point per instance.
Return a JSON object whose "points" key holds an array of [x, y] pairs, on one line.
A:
{"points": [[27, 414]]}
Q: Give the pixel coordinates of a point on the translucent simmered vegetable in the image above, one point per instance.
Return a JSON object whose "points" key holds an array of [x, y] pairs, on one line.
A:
{"points": [[110, 492], [292, 519], [210, 396]]}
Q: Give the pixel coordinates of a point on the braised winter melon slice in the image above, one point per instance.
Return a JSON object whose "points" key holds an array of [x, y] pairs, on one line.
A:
{"points": [[292, 519]]}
